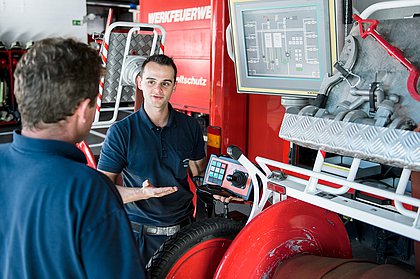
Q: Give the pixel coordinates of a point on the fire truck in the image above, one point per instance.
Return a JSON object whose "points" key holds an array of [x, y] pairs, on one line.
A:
{"points": [[316, 104]]}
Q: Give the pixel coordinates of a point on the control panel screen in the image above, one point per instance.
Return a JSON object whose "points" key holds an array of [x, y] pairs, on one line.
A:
{"points": [[281, 47]]}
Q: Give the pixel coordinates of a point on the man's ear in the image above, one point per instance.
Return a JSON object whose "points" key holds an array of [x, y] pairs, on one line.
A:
{"points": [[83, 110], [138, 82]]}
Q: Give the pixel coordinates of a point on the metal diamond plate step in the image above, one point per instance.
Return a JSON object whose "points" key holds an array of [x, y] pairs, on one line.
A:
{"points": [[394, 147]]}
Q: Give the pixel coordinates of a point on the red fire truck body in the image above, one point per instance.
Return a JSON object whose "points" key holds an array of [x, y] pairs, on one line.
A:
{"points": [[206, 83]]}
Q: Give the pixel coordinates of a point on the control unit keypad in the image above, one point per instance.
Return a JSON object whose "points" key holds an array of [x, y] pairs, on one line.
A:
{"points": [[217, 172]]}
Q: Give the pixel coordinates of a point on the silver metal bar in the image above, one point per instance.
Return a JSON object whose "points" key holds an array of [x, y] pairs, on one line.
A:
{"points": [[107, 4], [6, 133], [98, 134], [388, 5], [95, 145], [373, 215], [121, 108], [340, 181]]}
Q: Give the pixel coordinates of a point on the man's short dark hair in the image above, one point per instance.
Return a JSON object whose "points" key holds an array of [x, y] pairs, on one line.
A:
{"points": [[53, 77], [161, 59]]}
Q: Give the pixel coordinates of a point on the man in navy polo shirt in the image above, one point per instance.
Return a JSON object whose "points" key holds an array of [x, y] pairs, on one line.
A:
{"points": [[154, 149], [59, 218]]}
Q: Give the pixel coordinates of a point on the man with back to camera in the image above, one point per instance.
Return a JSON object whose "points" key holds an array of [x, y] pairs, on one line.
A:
{"points": [[154, 149], [59, 217]]}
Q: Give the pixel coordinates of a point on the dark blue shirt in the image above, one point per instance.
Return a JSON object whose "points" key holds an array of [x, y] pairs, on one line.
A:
{"points": [[60, 218], [139, 150]]}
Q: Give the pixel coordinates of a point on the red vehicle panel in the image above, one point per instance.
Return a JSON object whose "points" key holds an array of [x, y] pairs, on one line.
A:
{"points": [[188, 41]]}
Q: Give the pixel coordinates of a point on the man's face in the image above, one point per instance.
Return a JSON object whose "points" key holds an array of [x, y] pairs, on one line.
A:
{"points": [[158, 84]]}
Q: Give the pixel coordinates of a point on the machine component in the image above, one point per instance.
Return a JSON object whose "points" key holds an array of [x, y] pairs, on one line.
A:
{"points": [[393, 51], [378, 98], [323, 267], [349, 55], [293, 104], [364, 123], [347, 74], [238, 178], [280, 232], [131, 69], [226, 177], [373, 87], [374, 95]]}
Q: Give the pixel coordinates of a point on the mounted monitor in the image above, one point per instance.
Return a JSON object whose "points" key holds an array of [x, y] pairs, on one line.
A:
{"points": [[282, 47]]}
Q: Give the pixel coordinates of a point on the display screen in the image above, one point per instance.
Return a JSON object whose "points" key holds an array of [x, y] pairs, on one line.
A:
{"points": [[281, 47]]}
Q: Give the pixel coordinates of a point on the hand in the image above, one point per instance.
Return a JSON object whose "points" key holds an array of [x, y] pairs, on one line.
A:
{"points": [[227, 199], [150, 191], [418, 128]]}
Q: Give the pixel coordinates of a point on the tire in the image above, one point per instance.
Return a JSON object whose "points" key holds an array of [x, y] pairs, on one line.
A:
{"points": [[185, 250]]}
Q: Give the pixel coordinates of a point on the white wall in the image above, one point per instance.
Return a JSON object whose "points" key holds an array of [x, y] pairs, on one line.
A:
{"points": [[25, 20]]}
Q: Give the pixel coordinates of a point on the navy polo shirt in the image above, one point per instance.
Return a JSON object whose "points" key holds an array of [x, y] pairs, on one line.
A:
{"points": [[139, 150], [60, 218]]}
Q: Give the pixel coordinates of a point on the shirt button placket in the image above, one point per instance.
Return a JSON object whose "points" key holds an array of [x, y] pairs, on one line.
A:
{"points": [[163, 144]]}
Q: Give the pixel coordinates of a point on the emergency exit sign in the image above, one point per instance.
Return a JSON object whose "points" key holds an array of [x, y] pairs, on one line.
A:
{"points": [[76, 22]]}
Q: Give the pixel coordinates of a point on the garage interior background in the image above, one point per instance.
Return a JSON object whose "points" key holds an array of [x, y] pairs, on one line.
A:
{"points": [[32, 20]]}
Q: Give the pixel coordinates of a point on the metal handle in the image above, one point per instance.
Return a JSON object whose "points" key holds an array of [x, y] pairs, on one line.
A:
{"points": [[234, 152], [388, 5], [229, 45]]}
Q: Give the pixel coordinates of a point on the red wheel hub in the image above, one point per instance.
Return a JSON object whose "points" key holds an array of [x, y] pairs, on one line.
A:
{"points": [[281, 231], [201, 260]]}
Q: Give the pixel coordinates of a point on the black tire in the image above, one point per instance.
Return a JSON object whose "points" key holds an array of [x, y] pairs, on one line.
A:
{"points": [[177, 245]]}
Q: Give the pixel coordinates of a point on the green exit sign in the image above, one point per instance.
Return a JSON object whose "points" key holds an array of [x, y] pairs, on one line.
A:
{"points": [[76, 22]]}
